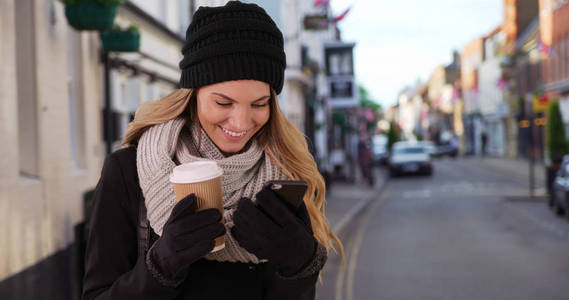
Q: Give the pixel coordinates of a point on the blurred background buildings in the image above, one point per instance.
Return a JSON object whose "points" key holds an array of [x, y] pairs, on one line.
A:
{"points": [[495, 94]]}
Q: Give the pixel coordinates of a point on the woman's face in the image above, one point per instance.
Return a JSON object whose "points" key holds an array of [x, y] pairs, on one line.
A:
{"points": [[231, 112]]}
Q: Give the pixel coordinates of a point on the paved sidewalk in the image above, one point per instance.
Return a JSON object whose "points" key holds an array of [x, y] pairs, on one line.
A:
{"points": [[344, 201], [517, 167]]}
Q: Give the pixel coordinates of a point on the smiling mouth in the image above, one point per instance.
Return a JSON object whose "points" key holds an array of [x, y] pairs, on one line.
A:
{"points": [[232, 133]]}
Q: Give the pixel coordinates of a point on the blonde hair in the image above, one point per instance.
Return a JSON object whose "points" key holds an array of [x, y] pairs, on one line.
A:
{"points": [[281, 140]]}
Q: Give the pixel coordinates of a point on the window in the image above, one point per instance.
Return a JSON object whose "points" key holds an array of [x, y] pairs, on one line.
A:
{"points": [[339, 62], [410, 150], [28, 138], [561, 55], [151, 91], [556, 61], [549, 68], [567, 56], [75, 99]]}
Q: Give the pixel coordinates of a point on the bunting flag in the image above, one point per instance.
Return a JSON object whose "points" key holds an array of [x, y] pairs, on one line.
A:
{"points": [[343, 15], [502, 84], [318, 3], [437, 101], [369, 115], [455, 95], [545, 50]]}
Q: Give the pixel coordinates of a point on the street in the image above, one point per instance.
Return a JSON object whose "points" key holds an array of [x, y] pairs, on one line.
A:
{"points": [[468, 232]]}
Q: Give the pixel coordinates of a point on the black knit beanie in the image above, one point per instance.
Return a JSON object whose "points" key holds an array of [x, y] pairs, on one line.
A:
{"points": [[232, 42]]}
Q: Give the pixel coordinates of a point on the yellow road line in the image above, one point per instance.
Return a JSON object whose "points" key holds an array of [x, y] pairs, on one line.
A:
{"points": [[354, 252]]}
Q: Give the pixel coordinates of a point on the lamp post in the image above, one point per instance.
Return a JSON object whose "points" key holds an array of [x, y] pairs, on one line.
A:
{"points": [[531, 154]]}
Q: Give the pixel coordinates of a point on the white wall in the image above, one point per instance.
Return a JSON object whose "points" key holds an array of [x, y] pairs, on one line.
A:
{"points": [[471, 98], [167, 12], [38, 214], [490, 96]]}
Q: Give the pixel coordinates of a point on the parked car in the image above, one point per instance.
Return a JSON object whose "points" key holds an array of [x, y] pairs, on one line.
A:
{"points": [[446, 149], [379, 149], [380, 154], [430, 147], [560, 192], [407, 157]]}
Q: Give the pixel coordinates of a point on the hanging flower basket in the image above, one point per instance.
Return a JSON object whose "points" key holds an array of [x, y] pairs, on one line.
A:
{"points": [[121, 40], [91, 14]]}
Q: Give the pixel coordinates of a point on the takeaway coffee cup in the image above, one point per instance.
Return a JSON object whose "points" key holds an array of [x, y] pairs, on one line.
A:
{"points": [[203, 178]]}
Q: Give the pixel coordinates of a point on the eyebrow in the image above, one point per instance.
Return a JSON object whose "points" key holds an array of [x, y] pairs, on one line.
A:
{"points": [[229, 98]]}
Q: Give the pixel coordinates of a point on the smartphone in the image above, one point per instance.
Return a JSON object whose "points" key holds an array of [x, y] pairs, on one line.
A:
{"points": [[291, 191]]}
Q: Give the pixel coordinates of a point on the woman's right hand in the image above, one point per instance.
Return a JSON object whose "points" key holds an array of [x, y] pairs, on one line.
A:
{"points": [[187, 236]]}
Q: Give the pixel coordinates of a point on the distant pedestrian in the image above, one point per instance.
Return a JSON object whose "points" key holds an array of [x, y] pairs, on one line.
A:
{"points": [[364, 159], [484, 139], [454, 146], [142, 244]]}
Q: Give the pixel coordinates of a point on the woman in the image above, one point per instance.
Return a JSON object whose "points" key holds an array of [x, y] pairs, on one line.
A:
{"points": [[226, 110]]}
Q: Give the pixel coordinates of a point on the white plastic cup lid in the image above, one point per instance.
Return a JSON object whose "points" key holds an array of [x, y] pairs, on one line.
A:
{"points": [[197, 171]]}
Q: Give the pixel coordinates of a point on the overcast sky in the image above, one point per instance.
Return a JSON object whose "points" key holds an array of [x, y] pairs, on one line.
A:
{"points": [[398, 41]]}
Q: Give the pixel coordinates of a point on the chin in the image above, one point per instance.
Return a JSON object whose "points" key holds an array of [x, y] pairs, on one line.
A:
{"points": [[231, 149]]}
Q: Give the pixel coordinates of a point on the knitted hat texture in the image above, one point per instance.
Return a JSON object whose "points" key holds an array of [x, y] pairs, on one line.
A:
{"points": [[232, 42]]}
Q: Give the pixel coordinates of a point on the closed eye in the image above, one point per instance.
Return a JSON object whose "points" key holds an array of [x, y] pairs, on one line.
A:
{"points": [[223, 104], [259, 105]]}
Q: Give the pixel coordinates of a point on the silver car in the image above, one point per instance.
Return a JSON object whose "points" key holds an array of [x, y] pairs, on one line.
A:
{"points": [[429, 146], [408, 157], [560, 194]]}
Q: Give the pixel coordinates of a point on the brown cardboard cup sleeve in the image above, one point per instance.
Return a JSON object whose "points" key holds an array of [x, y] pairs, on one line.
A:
{"points": [[202, 178]]}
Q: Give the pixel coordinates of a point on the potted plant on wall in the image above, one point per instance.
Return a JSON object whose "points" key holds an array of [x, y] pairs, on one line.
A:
{"points": [[91, 14], [121, 40]]}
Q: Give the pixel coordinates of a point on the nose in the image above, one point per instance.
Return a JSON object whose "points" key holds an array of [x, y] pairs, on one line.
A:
{"points": [[240, 119]]}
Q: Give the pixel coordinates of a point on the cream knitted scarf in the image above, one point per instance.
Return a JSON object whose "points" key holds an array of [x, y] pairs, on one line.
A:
{"points": [[243, 176]]}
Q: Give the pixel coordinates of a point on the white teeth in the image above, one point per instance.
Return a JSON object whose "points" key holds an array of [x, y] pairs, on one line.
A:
{"points": [[231, 133]]}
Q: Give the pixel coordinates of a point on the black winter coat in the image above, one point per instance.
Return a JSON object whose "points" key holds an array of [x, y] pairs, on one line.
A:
{"points": [[115, 270]]}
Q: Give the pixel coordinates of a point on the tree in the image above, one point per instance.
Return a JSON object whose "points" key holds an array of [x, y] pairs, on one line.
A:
{"points": [[555, 132], [369, 110], [392, 135], [366, 101]]}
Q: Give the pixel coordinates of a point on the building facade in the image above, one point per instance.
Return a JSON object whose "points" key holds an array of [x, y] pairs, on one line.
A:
{"points": [[50, 125], [470, 60], [554, 34], [528, 83], [493, 106], [65, 104]]}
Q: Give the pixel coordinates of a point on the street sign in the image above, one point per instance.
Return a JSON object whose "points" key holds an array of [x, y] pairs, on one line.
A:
{"points": [[316, 22], [540, 104]]}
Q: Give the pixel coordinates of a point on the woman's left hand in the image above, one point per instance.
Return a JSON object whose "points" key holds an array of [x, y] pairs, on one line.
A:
{"points": [[270, 229]]}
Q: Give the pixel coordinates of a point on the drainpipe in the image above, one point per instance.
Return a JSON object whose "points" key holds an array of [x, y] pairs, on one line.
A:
{"points": [[107, 115]]}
